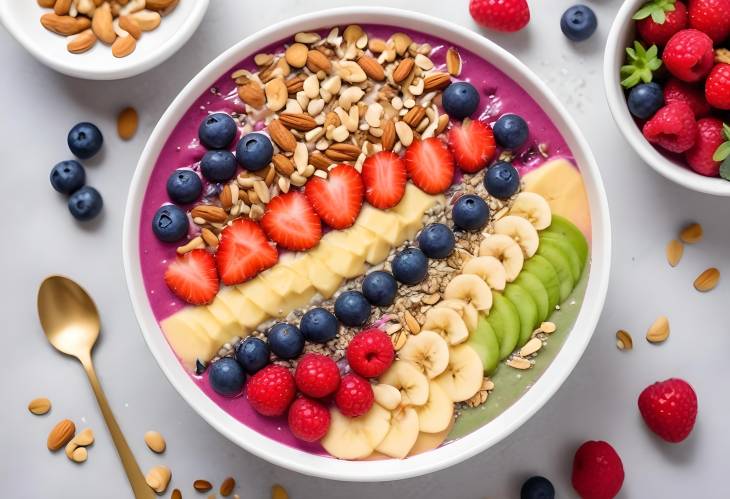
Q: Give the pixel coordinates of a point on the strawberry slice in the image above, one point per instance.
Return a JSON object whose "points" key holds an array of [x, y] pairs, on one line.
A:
{"points": [[291, 222], [338, 199], [430, 165], [243, 252], [384, 175], [193, 277], [472, 144]]}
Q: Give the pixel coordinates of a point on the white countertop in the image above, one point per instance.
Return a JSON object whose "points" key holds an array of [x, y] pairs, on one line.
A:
{"points": [[597, 402]]}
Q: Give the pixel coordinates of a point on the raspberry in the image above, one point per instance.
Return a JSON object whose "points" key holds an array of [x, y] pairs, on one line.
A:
{"points": [[654, 33], [709, 138], [308, 419], [370, 353], [673, 127], [711, 17], [669, 409], [689, 55], [500, 15], [355, 396], [317, 375], [678, 91], [717, 86], [271, 390], [597, 471]]}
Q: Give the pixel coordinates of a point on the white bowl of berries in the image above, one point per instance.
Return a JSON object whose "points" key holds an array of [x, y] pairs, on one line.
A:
{"points": [[667, 79]]}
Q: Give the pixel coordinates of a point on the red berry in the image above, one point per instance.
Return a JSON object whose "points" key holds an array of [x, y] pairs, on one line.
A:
{"points": [[338, 199], [317, 375], [500, 15], [709, 137], [193, 277], [308, 419], [354, 396], [597, 471], [370, 353], [290, 221], [689, 55], [669, 409], [430, 165], [717, 87], [678, 91], [711, 17], [673, 127], [243, 252], [271, 390], [384, 175], [654, 33], [472, 145]]}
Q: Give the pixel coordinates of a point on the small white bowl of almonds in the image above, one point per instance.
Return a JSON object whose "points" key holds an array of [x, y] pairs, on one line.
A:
{"points": [[102, 39]]}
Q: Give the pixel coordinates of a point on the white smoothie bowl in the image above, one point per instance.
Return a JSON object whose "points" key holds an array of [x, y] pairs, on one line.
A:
{"points": [[22, 20], [458, 450]]}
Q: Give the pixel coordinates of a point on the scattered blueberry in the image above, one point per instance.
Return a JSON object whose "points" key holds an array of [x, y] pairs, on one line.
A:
{"points": [[436, 241], [319, 325], [218, 166], [460, 100], [285, 340], [217, 131], [578, 23], [254, 151], [470, 213], [226, 377], [410, 266], [502, 180], [170, 223], [85, 140], [537, 487], [200, 367], [645, 99], [352, 308], [511, 131], [253, 354], [379, 288], [184, 186], [85, 203], [67, 176]]}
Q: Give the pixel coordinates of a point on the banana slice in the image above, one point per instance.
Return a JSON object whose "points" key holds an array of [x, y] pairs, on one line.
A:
{"points": [[468, 313], [356, 438], [448, 323], [411, 382], [506, 250], [402, 435], [428, 351], [521, 230], [489, 269], [436, 415], [386, 395], [471, 289], [534, 208], [464, 374]]}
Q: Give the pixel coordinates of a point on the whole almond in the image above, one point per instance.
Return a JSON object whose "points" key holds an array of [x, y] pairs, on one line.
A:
{"points": [[123, 46], [202, 485], [159, 4], [227, 486], [317, 61], [281, 136], [82, 42], [102, 24], [414, 116], [176, 494], [691, 234], [39, 406], [342, 152], [707, 280], [371, 67], [403, 69], [226, 197], [64, 25], [127, 122], [658, 331], [319, 161], [155, 441], [276, 94], [252, 94], [296, 55], [147, 20], [298, 121], [453, 61], [674, 251], [61, 434], [387, 140], [62, 7], [436, 81], [294, 85], [283, 165], [46, 4], [209, 213], [131, 27]]}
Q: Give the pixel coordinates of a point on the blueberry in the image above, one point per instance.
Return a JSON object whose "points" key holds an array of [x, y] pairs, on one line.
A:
{"points": [[502, 180], [319, 325], [645, 99], [537, 487], [436, 241], [218, 166], [511, 131], [460, 100], [254, 151], [470, 213], [226, 377], [217, 131], [170, 223], [578, 23], [184, 186], [286, 340], [379, 288], [253, 354], [410, 266], [85, 203], [352, 308], [68, 176], [85, 140]]}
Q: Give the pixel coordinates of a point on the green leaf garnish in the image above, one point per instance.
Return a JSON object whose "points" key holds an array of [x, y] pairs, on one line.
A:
{"points": [[657, 9], [640, 65], [723, 152], [725, 169]]}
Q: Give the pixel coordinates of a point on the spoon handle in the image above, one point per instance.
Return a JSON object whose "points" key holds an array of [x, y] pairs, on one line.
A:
{"points": [[134, 474]]}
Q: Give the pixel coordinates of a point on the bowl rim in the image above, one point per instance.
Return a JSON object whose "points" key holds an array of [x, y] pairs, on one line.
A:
{"points": [[456, 451], [613, 58], [126, 67]]}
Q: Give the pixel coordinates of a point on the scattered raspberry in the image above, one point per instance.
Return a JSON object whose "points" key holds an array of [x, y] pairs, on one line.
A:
{"points": [[673, 127], [309, 420], [678, 91], [689, 55], [355, 396], [711, 17], [317, 375], [500, 15], [370, 353], [597, 471], [271, 390], [655, 33], [709, 137], [669, 409], [717, 87]]}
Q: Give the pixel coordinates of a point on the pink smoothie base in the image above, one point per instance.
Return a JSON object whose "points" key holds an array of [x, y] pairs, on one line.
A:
{"points": [[499, 95]]}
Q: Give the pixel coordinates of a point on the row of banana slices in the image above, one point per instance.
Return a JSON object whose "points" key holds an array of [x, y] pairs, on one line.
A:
{"points": [[436, 368]]}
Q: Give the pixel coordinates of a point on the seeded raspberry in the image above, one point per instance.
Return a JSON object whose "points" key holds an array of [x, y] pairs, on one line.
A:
{"points": [[678, 91], [370, 353], [669, 409], [709, 138], [598, 472], [689, 55], [271, 390], [673, 127], [717, 86], [308, 419], [317, 375], [711, 17], [354, 396], [659, 33]]}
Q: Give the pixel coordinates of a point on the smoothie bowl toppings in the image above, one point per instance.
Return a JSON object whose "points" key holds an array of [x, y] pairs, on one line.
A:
{"points": [[360, 238]]}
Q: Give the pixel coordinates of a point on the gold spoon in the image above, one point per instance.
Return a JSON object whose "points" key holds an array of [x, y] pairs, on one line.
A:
{"points": [[71, 323]]}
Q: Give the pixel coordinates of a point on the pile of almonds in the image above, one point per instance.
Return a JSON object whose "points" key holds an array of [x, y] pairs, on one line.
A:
{"points": [[118, 23]]}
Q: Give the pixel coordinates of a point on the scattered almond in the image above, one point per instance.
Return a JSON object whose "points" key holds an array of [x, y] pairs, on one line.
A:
{"points": [[209, 213], [147, 20], [296, 55], [281, 136], [436, 81], [202, 485], [130, 26], [401, 41], [453, 62], [82, 42], [298, 121], [691, 234], [79, 455], [658, 331], [127, 121], [176, 494], [342, 152], [158, 478], [102, 24], [624, 340], [519, 363], [403, 69], [64, 25], [531, 347], [387, 140], [371, 67], [62, 7], [675, 249], [276, 94], [159, 4], [39, 406], [155, 441], [317, 61], [61, 434], [707, 280], [548, 327], [227, 486], [414, 116], [411, 323], [252, 94], [123, 46]]}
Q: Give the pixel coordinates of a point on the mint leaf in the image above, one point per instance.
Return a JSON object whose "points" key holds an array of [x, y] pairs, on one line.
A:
{"points": [[722, 152], [725, 169]]}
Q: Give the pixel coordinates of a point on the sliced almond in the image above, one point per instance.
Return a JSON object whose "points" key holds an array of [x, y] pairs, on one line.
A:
{"points": [[296, 55], [423, 62], [123, 46], [658, 331], [404, 133], [453, 62], [674, 251], [79, 455], [84, 438], [127, 122], [531, 347], [61, 434], [519, 363], [155, 441], [377, 45], [691, 234], [82, 42], [707, 280], [624, 340], [401, 42], [102, 24], [351, 72], [548, 327], [39, 406], [307, 37], [158, 478], [411, 323], [64, 25]]}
